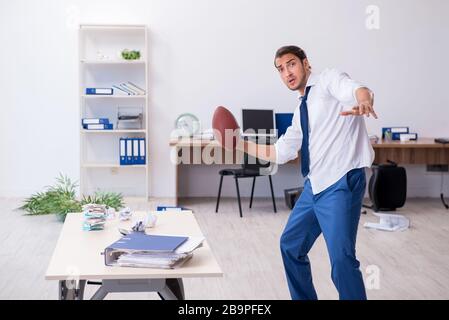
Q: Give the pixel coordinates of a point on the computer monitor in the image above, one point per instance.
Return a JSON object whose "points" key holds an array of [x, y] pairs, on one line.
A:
{"points": [[258, 123]]}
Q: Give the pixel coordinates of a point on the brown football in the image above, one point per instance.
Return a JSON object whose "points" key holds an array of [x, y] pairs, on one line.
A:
{"points": [[225, 126]]}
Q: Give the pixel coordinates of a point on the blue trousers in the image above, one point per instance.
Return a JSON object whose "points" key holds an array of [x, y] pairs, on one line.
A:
{"points": [[335, 212]]}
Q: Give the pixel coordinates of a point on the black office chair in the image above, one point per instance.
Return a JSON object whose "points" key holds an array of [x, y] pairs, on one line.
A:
{"points": [[251, 168]]}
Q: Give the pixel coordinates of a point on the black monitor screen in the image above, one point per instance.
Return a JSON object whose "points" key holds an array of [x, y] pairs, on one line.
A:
{"points": [[256, 120]]}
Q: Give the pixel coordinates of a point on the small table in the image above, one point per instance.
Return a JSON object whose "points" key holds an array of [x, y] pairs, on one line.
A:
{"points": [[78, 258]]}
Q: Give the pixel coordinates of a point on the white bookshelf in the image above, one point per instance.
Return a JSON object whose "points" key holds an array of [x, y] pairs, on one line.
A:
{"points": [[101, 66]]}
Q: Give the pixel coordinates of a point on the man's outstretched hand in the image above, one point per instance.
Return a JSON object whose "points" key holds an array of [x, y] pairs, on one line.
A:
{"points": [[365, 99]]}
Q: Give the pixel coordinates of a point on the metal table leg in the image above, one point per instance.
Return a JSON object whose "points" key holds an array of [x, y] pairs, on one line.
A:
{"points": [[71, 290]]}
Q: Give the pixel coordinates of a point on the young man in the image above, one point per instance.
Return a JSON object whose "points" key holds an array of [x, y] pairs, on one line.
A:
{"points": [[335, 149]]}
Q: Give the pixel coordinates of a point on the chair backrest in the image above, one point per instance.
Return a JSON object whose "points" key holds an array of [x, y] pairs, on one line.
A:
{"points": [[253, 164]]}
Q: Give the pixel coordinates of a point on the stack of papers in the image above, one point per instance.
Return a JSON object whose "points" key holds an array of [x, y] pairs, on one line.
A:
{"points": [[144, 251], [94, 217]]}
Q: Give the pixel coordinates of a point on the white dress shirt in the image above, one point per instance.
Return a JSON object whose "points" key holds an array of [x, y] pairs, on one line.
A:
{"points": [[337, 144]]}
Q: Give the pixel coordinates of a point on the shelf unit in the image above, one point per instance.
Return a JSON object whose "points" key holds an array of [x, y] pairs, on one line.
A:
{"points": [[100, 65]]}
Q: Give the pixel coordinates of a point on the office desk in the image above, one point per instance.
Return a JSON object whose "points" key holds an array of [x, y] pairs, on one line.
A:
{"points": [[423, 151], [78, 258]]}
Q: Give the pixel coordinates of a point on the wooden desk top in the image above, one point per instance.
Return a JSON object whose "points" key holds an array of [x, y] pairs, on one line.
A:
{"points": [[421, 143], [189, 142], [78, 253]]}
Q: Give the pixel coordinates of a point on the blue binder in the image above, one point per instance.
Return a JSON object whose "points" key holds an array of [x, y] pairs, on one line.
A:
{"points": [[139, 241], [86, 121], [395, 132], [142, 151], [129, 152], [100, 91], [135, 142], [122, 148], [283, 121]]}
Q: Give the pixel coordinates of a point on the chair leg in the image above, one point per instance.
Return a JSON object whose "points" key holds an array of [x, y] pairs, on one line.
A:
{"points": [[219, 194], [238, 195], [252, 193], [272, 194]]}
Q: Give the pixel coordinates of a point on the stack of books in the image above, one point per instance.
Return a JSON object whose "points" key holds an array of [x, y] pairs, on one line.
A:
{"points": [[96, 124], [139, 250], [94, 217], [129, 89]]}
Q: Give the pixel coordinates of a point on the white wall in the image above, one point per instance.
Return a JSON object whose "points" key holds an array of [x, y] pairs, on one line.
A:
{"points": [[207, 53]]}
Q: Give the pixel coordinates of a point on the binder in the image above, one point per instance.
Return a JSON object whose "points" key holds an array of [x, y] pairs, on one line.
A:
{"points": [[123, 152], [126, 89], [408, 136], [99, 91], [283, 121], [121, 91], [101, 126], [395, 132], [142, 151], [135, 88], [86, 121], [143, 244], [129, 152], [135, 142]]}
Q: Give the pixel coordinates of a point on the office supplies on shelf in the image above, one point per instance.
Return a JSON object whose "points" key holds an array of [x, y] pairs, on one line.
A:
{"points": [[132, 151], [129, 152], [86, 121], [128, 88], [121, 91], [136, 158], [135, 87], [101, 126], [130, 118], [123, 159], [99, 91], [142, 151], [393, 133], [130, 54]]}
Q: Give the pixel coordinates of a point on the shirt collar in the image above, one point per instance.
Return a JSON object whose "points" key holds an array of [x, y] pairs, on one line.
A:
{"points": [[311, 81]]}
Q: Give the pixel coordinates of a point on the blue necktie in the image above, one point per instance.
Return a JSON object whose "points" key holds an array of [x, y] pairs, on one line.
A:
{"points": [[305, 157]]}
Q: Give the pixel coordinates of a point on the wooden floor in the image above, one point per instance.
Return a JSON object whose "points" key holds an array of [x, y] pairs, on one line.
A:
{"points": [[413, 264]]}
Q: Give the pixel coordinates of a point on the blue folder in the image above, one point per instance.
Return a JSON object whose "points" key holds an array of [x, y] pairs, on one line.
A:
{"points": [[283, 121], [139, 241]]}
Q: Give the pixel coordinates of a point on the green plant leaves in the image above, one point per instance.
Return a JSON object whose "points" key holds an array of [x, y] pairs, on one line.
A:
{"points": [[60, 199], [130, 55]]}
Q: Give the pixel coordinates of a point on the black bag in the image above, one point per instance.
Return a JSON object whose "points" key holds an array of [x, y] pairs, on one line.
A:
{"points": [[291, 196], [387, 187]]}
